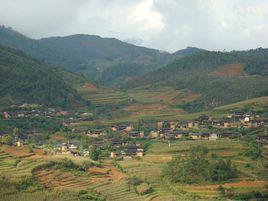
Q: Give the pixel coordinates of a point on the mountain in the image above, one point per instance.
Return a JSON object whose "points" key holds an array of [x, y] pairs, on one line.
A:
{"points": [[26, 80], [218, 77], [187, 52], [107, 60]]}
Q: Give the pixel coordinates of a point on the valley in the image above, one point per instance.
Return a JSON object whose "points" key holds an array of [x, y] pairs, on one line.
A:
{"points": [[91, 118]]}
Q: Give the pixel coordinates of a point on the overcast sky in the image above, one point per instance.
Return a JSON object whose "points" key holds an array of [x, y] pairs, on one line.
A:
{"points": [[163, 24]]}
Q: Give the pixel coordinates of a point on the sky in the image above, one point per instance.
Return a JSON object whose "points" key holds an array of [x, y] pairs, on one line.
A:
{"points": [[167, 25]]}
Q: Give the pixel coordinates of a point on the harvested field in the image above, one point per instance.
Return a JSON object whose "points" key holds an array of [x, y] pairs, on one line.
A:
{"points": [[235, 69]]}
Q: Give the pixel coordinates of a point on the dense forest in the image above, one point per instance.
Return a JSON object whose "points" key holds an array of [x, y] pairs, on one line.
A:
{"points": [[24, 79]]}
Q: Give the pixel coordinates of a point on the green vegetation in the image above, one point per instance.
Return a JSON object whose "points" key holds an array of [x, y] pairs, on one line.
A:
{"points": [[196, 168], [95, 153], [197, 74], [108, 60], [31, 81]]}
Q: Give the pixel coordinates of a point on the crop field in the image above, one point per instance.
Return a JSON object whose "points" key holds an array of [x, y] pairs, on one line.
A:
{"points": [[149, 169], [102, 96], [113, 184], [236, 69]]}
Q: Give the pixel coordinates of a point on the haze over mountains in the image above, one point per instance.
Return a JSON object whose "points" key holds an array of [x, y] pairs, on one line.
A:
{"points": [[107, 60], [218, 77]]}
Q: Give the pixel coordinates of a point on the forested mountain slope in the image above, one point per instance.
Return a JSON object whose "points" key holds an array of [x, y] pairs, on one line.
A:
{"points": [[221, 77], [26, 80], [107, 60]]}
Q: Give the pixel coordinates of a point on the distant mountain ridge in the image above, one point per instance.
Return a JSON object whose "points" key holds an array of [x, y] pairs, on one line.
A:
{"points": [[107, 60]]}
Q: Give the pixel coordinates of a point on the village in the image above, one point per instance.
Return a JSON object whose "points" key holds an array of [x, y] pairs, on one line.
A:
{"points": [[127, 141]]}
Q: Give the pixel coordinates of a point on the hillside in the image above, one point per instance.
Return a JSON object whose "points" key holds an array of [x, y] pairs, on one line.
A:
{"points": [[107, 60], [220, 77], [24, 79]]}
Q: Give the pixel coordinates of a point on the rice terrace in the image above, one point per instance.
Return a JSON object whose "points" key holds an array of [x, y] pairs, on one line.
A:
{"points": [[143, 100]]}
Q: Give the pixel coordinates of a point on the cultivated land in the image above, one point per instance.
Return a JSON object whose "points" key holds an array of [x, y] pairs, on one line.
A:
{"points": [[111, 183]]}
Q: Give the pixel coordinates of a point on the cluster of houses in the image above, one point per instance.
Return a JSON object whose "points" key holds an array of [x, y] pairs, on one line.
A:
{"points": [[26, 111]]}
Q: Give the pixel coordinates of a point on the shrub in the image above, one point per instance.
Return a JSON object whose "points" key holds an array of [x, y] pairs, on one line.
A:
{"points": [[143, 189], [135, 181]]}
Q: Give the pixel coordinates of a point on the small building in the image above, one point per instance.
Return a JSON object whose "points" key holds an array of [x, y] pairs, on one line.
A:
{"points": [[96, 133], [135, 134], [225, 134], [154, 134], [195, 136], [213, 136], [113, 155], [140, 152], [19, 143], [131, 150], [114, 128], [6, 115], [117, 143], [199, 136]]}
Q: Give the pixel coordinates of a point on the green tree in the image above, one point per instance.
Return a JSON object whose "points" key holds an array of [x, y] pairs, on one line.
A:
{"points": [[7, 139], [95, 153]]}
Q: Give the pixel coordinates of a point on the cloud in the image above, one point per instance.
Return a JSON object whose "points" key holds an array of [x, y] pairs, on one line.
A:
{"points": [[167, 25], [146, 17]]}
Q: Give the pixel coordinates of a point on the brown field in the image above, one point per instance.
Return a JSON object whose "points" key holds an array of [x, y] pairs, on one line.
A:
{"points": [[186, 97], [53, 178], [89, 86], [19, 152], [109, 170], [235, 69]]}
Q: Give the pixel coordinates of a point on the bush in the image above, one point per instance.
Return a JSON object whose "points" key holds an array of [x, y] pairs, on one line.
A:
{"points": [[143, 189], [7, 139], [135, 181]]}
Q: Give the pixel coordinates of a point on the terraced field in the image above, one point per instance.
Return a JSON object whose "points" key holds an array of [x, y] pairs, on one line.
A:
{"points": [[102, 184], [53, 178], [6, 161], [149, 169], [102, 96]]}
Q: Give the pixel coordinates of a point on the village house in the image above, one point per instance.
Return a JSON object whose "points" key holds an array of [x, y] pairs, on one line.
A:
{"points": [[195, 136], [213, 136], [5, 115], [191, 125], [177, 134], [122, 127], [135, 134], [172, 125], [154, 134], [133, 150], [96, 133], [199, 136], [117, 143], [204, 119], [225, 134], [113, 154]]}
